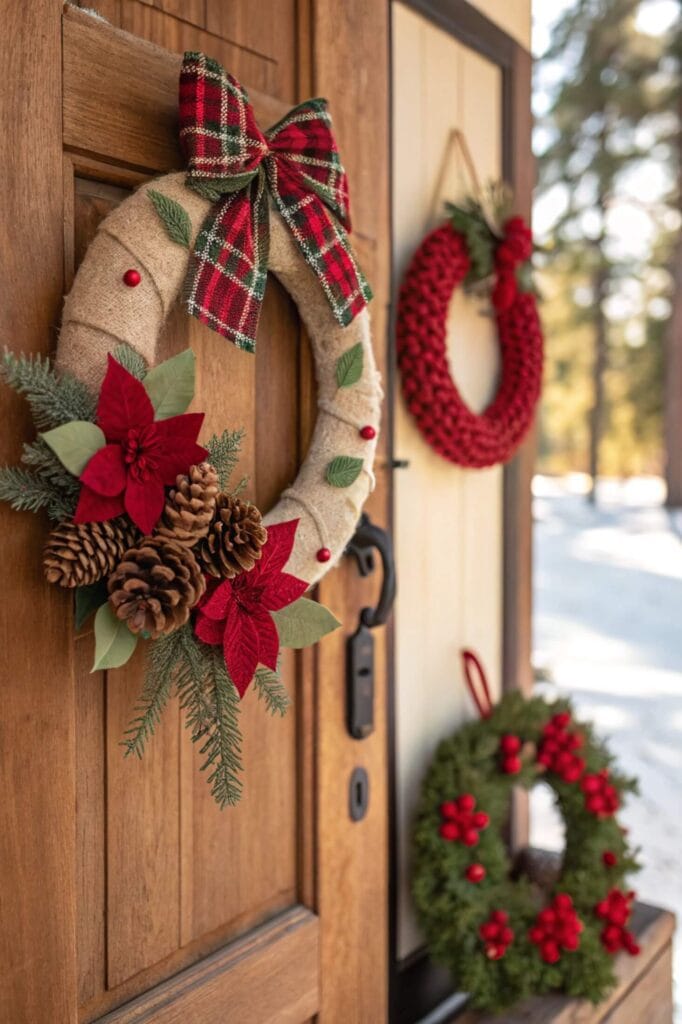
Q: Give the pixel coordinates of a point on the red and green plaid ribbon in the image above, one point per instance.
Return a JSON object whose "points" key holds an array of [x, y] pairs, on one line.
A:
{"points": [[235, 165]]}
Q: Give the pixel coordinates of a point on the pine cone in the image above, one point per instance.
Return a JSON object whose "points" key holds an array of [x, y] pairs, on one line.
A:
{"points": [[153, 589], [77, 554], [235, 538], [190, 506]]}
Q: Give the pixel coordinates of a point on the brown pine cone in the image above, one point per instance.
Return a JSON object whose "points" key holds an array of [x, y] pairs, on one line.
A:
{"points": [[77, 554], [190, 506], [235, 538], [155, 586]]}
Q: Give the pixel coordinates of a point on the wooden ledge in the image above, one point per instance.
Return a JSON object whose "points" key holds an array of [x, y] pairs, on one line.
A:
{"points": [[642, 993]]}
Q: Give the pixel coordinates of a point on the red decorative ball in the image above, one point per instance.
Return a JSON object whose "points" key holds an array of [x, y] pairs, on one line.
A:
{"points": [[470, 837], [368, 433], [449, 830], [132, 278], [466, 802], [609, 858], [510, 744], [511, 765], [475, 873], [323, 555]]}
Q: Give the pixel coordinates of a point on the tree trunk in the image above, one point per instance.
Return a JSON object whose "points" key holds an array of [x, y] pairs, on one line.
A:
{"points": [[672, 393], [598, 371]]}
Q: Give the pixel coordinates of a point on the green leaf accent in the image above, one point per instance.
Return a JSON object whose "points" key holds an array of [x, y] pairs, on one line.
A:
{"points": [[343, 470], [170, 385], [88, 600], [114, 643], [271, 689], [524, 277], [174, 216], [75, 443], [349, 366], [303, 623], [131, 360]]}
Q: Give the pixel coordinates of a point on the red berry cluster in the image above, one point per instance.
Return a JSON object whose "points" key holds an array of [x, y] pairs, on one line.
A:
{"points": [[461, 822], [556, 928], [496, 934], [601, 796], [514, 249], [510, 748], [440, 266], [557, 749], [615, 910]]}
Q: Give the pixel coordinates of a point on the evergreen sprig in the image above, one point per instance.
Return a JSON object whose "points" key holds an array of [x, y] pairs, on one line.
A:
{"points": [[223, 453], [28, 492], [131, 360], [209, 700], [54, 398], [272, 690]]}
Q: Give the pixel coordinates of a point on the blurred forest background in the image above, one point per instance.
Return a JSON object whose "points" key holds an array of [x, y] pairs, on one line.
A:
{"points": [[608, 139]]}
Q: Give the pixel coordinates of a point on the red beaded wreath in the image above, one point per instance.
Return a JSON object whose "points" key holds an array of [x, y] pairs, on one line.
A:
{"points": [[439, 266]]}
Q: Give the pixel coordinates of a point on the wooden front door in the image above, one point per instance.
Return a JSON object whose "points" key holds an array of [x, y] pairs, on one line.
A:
{"points": [[125, 894]]}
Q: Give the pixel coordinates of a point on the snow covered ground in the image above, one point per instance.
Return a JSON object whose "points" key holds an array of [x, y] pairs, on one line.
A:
{"points": [[608, 632]]}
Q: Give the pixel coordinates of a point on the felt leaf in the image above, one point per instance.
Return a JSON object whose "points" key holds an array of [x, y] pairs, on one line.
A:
{"points": [[95, 508], [277, 548], [241, 647], [88, 600], [105, 473], [174, 216], [75, 443], [170, 385], [349, 366], [114, 643], [304, 623], [144, 501], [123, 403], [343, 470]]}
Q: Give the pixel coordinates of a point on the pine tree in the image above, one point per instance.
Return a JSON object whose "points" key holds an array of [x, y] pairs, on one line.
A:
{"points": [[608, 92]]}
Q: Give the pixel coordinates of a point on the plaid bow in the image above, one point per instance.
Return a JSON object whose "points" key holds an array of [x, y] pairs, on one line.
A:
{"points": [[234, 165]]}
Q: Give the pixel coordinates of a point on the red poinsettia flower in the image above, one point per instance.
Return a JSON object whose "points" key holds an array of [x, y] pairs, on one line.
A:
{"points": [[141, 457], [236, 613]]}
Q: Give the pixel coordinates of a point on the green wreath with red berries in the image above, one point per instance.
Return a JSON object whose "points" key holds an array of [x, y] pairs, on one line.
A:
{"points": [[503, 936]]}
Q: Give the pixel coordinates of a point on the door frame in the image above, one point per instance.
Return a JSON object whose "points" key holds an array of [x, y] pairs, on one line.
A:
{"points": [[416, 985]]}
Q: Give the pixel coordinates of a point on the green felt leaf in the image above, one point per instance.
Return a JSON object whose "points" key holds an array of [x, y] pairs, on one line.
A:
{"points": [[170, 385], [303, 623], [75, 443], [88, 600], [349, 366], [174, 216], [343, 470], [114, 643]]}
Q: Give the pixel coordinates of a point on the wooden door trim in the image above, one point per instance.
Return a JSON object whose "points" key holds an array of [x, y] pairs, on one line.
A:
{"points": [[272, 974], [417, 985], [136, 84]]}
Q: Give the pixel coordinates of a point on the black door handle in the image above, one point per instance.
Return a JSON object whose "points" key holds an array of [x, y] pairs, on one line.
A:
{"points": [[360, 646], [366, 538]]}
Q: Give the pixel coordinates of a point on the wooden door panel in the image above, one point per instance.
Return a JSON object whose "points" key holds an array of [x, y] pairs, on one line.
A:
{"points": [[164, 875]]}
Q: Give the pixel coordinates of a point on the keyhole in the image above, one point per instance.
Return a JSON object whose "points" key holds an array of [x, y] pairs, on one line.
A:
{"points": [[358, 794]]}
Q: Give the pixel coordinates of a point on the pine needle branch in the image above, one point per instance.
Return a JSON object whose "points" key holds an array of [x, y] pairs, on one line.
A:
{"points": [[272, 690], [223, 453], [131, 360], [28, 492], [154, 696], [54, 398], [223, 746]]}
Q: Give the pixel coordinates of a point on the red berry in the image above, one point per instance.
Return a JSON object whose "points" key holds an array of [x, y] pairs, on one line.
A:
{"points": [[549, 951], [481, 820], [536, 934], [570, 941], [470, 837], [609, 858], [591, 784], [547, 918], [510, 744], [602, 909], [562, 719], [475, 873], [511, 765], [488, 931], [450, 831], [466, 802], [562, 901], [449, 809], [132, 278], [323, 555], [368, 433], [507, 936], [499, 916], [494, 952]]}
